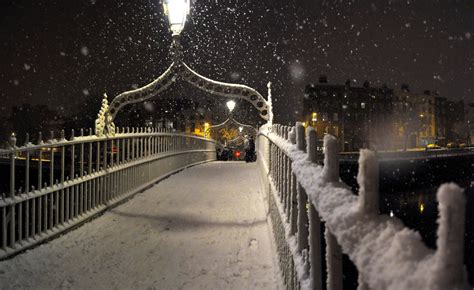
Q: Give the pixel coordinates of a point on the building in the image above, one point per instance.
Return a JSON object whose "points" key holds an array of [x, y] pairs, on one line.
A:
{"points": [[414, 118], [469, 116], [456, 127], [361, 117], [440, 119]]}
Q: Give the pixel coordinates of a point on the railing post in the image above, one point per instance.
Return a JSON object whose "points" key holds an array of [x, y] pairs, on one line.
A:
{"points": [[314, 222], [449, 271], [333, 249], [302, 199], [333, 262], [12, 144], [12, 214], [331, 159], [293, 190], [300, 142], [368, 180]]}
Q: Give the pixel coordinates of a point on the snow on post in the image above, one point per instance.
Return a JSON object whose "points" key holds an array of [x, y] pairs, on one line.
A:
{"points": [[292, 135], [300, 142], [368, 180], [311, 143], [361, 283], [331, 159], [449, 272]]}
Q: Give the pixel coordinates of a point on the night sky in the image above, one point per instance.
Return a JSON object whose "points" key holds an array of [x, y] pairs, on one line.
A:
{"points": [[62, 52]]}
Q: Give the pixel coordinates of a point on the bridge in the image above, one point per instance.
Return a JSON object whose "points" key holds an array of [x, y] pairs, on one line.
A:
{"points": [[151, 208]]}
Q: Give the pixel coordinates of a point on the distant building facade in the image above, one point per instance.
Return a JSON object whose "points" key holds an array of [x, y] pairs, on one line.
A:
{"points": [[383, 119], [361, 117], [414, 118], [469, 115]]}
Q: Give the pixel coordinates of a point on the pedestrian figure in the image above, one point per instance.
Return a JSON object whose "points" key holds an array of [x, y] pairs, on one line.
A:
{"points": [[249, 146]]}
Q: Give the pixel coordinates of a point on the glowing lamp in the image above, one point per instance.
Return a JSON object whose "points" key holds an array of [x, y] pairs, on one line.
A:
{"points": [[177, 12], [230, 105]]}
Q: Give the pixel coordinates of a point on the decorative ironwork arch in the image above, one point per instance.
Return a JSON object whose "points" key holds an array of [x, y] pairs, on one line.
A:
{"points": [[230, 120], [178, 69]]}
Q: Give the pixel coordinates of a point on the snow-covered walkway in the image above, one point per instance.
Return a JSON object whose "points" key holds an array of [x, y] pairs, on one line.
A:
{"points": [[203, 228]]}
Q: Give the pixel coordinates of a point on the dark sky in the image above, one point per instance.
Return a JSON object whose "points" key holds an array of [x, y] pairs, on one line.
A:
{"points": [[61, 52]]}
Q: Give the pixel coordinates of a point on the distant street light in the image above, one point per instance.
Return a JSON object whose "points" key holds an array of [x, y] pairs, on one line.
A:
{"points": [[177, 12], [230, 105]]}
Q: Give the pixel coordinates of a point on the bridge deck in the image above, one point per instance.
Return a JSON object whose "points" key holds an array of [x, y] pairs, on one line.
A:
{"points": [[203, 228]]}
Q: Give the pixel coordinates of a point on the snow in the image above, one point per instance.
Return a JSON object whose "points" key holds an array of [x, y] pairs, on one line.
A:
{"points": [[368, 179], [203, 228], [387, 254], [450, 255]]}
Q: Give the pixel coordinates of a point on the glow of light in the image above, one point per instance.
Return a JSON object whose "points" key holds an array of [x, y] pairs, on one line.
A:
{"points": [[177, 12], [241, 129], [391, 213], [422, 207], [315, 117], [230, 105]]}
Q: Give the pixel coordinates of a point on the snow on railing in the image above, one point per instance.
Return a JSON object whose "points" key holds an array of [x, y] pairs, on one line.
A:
{"points": [[302, 195], [56, 184]]}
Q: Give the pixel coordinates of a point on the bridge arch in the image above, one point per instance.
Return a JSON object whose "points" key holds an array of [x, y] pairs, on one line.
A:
{"points": [[178, 70]]}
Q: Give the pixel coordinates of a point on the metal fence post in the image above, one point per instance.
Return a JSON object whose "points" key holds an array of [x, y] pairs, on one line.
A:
{"points": [[302, 197], [368, 180], [449, 271], [333, 249], [333, 262], [314, 222]]}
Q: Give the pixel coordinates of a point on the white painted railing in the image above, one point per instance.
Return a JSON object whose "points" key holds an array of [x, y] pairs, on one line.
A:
{"points": [[57, 184], [304, 196]]}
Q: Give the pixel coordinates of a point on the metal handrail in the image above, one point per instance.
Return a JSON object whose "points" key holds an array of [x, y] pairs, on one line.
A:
{"points": [[84, 176], [303, 194]]}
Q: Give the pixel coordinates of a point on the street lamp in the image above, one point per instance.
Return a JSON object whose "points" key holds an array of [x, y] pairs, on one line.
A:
{"points": [[177, 12], [230, 105]]}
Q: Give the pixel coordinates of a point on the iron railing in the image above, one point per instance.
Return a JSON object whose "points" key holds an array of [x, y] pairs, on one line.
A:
{"points": [[306, 199], [56, 184]]}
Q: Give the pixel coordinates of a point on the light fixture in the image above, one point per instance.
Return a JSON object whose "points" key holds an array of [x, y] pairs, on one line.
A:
{"points": [[177, 12], [230, 105], [241, 129]]}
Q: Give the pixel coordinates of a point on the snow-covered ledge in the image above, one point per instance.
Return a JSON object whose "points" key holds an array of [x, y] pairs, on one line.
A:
{"points": [[386, 253]]}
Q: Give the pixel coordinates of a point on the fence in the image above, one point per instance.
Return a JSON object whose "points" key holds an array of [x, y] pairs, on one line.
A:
{"points": [[309, 207], [57, 184]]}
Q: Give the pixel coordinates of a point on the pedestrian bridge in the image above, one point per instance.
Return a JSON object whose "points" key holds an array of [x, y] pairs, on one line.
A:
{"points": [[151, 209]]}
